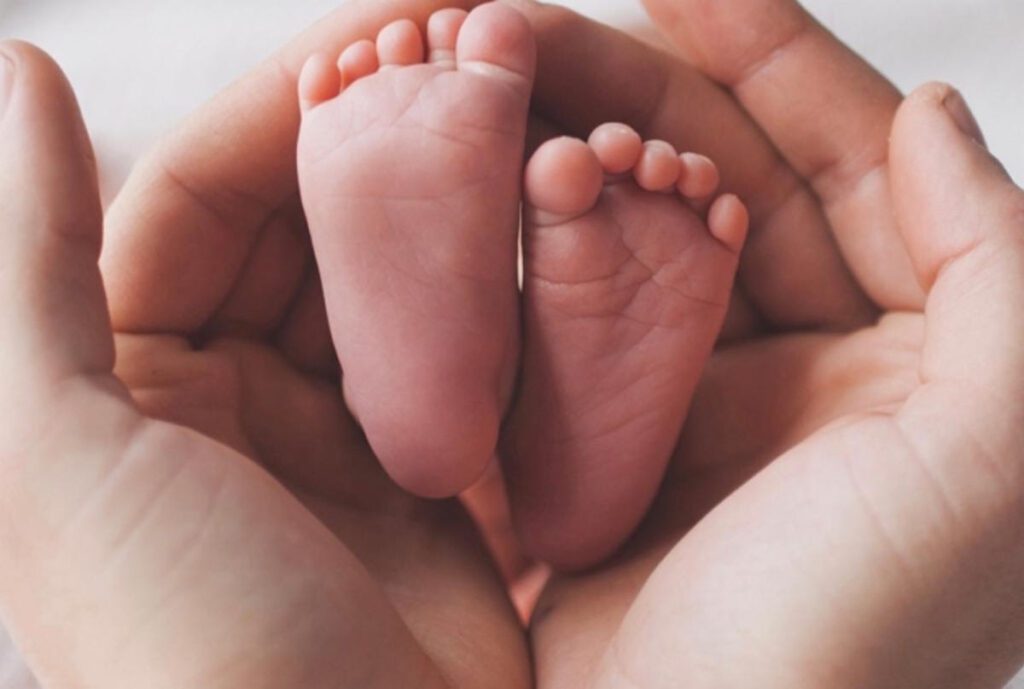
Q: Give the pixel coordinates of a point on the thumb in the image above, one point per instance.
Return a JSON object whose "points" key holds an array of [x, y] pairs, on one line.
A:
{"points": [[59, 404], [53, 315], [962, 220], [56, 344]]}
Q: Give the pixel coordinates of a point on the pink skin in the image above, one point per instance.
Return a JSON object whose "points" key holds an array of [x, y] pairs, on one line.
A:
{"points": [[410, 179], [626, 289]]}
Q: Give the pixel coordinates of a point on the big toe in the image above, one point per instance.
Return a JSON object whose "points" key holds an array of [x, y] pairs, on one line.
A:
{"points": [[498, 41], [563, 180]]}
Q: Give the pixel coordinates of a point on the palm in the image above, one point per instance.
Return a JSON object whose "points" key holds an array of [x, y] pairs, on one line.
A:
{"points": [[394, 591], [424, 560], [794, 508], [804, 503], [759, 400], [819, 516], [198, 510]]}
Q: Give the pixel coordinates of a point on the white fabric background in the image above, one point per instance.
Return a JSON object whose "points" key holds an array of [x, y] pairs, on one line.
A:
{"points": [[140, 65]]}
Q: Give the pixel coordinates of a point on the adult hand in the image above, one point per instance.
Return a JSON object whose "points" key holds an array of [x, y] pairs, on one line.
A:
{"points": [[205, 513], [846, 503], [199, 218]]}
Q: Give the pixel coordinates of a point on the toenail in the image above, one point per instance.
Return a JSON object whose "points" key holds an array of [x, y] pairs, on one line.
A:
{"points": [[615, 128]]}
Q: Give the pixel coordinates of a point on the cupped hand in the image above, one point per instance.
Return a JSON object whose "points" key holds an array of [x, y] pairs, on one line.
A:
{"points": [[877, 548], [187, 503], [845, 505]]}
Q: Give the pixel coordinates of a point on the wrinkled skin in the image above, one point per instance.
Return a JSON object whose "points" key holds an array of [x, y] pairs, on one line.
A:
{"points": [[866, 398], [205, 512], [843, 508]]}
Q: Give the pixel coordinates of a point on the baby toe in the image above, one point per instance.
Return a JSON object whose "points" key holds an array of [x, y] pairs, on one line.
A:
{"points": [[400, 44], [659, 167], [617, 146], [443, 34], [729, 221], [699, 177], [357, 61], [318, 82]]}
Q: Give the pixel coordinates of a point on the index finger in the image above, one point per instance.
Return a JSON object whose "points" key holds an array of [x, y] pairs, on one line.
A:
{"points": [[190, 213], [825, 109]]}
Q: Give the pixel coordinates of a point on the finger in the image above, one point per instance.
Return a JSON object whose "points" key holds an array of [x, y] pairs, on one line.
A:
{"points": [[791, 270], [792, 75], [962, 219], [264, 294], [305, 338], [54, 323], [963, 222], [191, 213], [55, 336]]}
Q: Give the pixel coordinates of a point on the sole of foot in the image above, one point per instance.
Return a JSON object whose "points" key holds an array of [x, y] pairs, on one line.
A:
{"points": [[630, 261], [410, 167]]}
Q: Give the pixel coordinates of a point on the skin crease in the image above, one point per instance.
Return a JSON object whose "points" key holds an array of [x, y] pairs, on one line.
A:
{"points": [[423, 303], [169, 554], [881, 551], [625, 289], [885, 494]]}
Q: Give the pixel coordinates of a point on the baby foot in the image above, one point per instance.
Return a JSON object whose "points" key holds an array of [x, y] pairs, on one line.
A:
{"points": [[410, 168], [628, 271]]}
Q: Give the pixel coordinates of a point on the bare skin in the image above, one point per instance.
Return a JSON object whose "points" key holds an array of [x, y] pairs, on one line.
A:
{"points": [[222, 498], [410, 180], [183, 232], [843, 509], [627, 281], [420, 292]]}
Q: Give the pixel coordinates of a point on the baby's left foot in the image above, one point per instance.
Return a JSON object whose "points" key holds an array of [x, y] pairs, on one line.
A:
{"points": [[629, 265]]}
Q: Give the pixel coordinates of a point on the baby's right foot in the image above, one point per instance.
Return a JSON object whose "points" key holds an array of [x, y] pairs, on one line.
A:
{"points": [[627, 281], [410, 164]]}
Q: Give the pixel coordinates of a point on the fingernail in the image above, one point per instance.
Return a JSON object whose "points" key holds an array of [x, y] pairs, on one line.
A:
{"points": [[6, 80], [957, 108]]}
